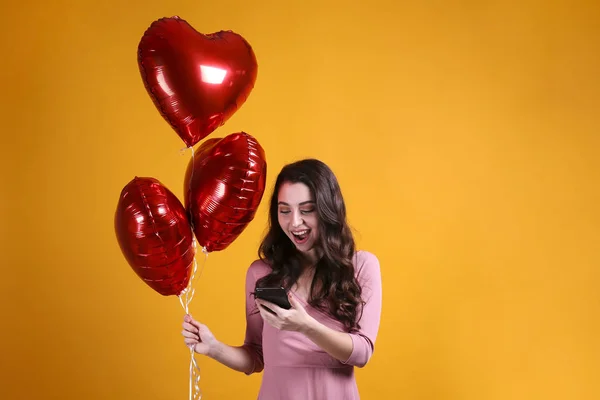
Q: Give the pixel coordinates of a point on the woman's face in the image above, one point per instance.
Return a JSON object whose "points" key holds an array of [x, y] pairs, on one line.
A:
{"points": [[297, 216]]}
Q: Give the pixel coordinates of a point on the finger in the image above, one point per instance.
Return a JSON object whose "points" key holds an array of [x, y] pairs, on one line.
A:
{"points": [[190, 327], [268, 313], [190, 343], [272, 306], [260, 304], [262, 311], [265, 314], [272, 319], [195, 323], [293, 302], [190, 320], [270, 316], [189, 334]]}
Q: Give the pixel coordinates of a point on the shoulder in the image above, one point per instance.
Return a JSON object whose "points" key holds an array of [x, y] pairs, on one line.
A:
{"points": [[364, 260], [366, 266], [257, 270]]}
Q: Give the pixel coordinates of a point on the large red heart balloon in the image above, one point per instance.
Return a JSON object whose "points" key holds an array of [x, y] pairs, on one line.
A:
{"points": [[155, 235], [196, 81], [224, 184]]}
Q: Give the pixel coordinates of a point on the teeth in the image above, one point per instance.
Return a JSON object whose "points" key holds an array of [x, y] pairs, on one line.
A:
{"points": [[300, 233]]}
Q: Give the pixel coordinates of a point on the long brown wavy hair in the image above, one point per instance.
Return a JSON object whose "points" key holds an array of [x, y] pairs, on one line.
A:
{"points": [[334, 288]]}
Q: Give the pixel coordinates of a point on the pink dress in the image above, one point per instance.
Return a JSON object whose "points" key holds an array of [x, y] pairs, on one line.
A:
{"points": [[297, 369]]}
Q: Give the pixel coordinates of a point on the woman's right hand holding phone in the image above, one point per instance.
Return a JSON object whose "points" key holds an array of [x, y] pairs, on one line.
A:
{"points": [[199, 336]]}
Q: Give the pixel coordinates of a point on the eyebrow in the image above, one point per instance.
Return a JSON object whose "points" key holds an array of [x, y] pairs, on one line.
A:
{"points": [[283, 203]]}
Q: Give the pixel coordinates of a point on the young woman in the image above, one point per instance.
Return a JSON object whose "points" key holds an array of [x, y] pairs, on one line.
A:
{"points": [[307, 352]]}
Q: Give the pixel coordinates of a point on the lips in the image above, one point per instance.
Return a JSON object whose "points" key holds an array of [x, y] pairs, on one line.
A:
{"points": [[300, 236]]}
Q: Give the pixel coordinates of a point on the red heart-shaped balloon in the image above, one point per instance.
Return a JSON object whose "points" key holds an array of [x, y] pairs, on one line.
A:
{"points": [[224, 184], [155, 235], [196, 81]]}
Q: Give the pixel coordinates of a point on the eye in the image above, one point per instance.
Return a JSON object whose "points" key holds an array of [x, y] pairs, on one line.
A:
{"points": [[284, 212], [305, 212]]}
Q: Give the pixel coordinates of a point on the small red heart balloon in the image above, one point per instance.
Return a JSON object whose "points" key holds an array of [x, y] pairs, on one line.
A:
{"points": [[196, 81], [155, 235], [224, 184]]}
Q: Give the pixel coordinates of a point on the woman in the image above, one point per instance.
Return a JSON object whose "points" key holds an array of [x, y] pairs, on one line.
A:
{"points": [[308, 352]]}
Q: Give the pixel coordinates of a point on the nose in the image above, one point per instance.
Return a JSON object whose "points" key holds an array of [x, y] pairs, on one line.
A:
{"points": [[297, 219]]}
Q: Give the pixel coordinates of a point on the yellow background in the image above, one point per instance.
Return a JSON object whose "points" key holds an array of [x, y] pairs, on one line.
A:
{"points": [[466, 136]]}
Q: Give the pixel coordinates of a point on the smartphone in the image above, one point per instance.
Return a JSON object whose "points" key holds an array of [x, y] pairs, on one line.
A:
{"points": [[275, 295]]}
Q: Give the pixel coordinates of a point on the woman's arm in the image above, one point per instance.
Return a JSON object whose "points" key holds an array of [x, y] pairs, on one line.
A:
{"points": [[336, 344], [254, 323], [353, 348], [247, 358], [363, 339], [237, 358], [204, 342]]}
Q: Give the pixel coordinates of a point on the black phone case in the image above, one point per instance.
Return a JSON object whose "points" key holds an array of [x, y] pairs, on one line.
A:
{"points": [[274, 295]]}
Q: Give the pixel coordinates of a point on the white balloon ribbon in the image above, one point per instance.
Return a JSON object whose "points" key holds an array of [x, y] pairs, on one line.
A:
{"points": [[185, 298]]}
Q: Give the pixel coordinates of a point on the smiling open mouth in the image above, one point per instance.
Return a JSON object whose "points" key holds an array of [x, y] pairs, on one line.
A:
{"points": [[301, 236]]}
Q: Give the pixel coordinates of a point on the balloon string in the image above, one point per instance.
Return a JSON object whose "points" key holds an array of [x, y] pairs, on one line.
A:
{"points": [[189, 193], [187, 294], [190, 183], [185, 298]]}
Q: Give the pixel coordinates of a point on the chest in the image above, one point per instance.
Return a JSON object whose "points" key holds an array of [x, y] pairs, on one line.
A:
{"points": [[303, 286], [293, 349]]}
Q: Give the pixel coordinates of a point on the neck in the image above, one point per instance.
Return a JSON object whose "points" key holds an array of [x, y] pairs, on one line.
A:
{"points": [[311, 258], [308, 268]]}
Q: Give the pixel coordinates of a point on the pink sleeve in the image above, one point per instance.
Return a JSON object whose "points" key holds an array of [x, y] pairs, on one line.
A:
{"points": [[254, 322], [363, 339]]}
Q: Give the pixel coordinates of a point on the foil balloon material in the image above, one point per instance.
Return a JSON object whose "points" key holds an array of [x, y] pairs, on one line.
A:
{"points": [[155, 235], [197, 81], [224, 185]]}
